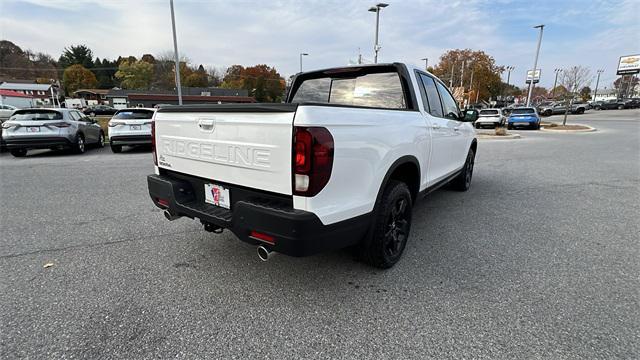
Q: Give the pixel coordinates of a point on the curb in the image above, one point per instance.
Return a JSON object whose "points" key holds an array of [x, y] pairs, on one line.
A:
{"points": [[590, 129], [498, 137]]}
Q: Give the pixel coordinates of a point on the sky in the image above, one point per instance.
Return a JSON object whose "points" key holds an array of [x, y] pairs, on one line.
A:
{"points": [[591, 33]]}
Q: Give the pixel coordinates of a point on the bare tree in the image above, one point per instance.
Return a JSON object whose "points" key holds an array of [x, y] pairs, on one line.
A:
{"points": [[574, 79]]}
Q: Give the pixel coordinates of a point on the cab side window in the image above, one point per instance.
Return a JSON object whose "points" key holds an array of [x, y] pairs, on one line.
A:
{"points": [[76, 116], [435, 108], [450, 106]]}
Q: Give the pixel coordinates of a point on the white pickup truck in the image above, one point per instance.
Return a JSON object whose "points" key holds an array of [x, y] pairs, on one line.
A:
{"points": [[340, 164]]}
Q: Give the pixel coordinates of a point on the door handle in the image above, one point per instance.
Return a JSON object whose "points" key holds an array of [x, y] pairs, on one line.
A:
{"points": [[457, 128]]}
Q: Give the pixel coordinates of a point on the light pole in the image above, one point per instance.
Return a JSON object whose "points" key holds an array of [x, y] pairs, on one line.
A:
{"points": [[535, 63], [376, 9], [553, 90], [175, 52], [595, 92], [453, 64], [426, 63], [301, 55]]}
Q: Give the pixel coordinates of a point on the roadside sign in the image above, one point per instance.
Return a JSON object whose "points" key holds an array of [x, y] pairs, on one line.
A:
{"points": [[536, 77], [629, 64]]}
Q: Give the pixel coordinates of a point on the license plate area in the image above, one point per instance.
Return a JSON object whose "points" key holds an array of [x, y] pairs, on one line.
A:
{"points": [[217, 195], [135, 127], [33, 129]]}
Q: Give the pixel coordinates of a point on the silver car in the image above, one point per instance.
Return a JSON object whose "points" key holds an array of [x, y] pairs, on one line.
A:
{"points": [[490, 117], [50, 129]]}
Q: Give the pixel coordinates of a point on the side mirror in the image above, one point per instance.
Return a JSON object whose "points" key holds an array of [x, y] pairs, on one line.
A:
{"points": [[470, 116]]}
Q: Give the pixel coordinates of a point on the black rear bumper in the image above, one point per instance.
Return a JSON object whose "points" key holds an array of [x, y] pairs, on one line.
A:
{"points": [[40, 142], [294, 232], [130, 140]]}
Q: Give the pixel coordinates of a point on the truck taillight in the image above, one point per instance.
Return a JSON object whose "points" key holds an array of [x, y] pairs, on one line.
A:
{"points": [[153, 143], [312, 159]]}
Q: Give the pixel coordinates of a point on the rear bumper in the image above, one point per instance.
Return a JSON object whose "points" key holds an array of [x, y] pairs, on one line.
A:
{"points": [[130, 139], [294, 232], [39, 142]]}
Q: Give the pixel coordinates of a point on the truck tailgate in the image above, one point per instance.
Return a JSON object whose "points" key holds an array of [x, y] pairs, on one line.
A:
{"points": [[240, 144]]}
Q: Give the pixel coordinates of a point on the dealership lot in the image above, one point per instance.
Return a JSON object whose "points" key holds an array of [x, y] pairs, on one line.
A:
{"points": [[538, 259]]}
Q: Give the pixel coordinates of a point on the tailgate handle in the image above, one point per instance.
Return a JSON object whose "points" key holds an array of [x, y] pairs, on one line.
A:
{"points": [[207, 124]]}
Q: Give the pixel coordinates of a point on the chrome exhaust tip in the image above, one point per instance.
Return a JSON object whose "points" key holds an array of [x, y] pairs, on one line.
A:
{"points": [[170, 216], [265, 254]]}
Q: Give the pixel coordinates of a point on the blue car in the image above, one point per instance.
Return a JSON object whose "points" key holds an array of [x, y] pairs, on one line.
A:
{"points": [[524, 117]]}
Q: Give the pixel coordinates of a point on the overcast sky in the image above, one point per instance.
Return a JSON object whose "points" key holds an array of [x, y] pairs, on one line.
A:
{"points": [[592, 33]]}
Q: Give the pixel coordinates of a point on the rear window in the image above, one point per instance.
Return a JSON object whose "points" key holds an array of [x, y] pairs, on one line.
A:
{"points": [[133, 114], [523, 111], [488, 112], [36, 115], [378, 90]]}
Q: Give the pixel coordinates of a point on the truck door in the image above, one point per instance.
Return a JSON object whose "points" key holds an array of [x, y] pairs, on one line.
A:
{"points": [[439, 164]]}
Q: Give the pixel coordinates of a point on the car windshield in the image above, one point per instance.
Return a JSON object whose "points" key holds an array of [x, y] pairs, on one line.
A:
{"points": [[134, 114], [522, 111], [36, 115], [488, 112], [379, 90]]}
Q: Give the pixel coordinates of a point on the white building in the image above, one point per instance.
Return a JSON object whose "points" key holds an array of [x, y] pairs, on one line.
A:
{"points": [[14, 98], [43, 94], [606, 94]]}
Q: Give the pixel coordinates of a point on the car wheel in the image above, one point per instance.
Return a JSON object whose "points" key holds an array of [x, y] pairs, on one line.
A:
{"points": [[620, 107], [462, 182], [387, 239], [79, 147], [19, 152], [580, 111], [597, 108], [92, 114], [548, 113], [509, 127], [116, 148], [101, 140], [477, 126]]}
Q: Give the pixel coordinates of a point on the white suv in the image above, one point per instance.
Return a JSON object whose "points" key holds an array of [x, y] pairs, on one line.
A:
{"points": [[130, 127]]}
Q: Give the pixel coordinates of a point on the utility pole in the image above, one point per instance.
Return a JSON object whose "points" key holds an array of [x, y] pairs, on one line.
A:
{"points": [[175, 52], [471, 84], [376, 9], [509, 68], [462, 72], [426, 63], [553, 90], [301, 55], [535, 63], [451, 78], [595, 93]]}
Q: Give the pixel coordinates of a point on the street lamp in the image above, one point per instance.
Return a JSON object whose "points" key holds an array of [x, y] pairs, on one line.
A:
{"points": [[376, 9], [535, 63], [426, 63], [175, 52], [301, 55], [595, 93], [553, 91]]}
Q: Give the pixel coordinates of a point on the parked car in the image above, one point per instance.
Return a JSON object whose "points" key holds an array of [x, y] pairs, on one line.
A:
{"points": [[129, 127], [489, 117], [99, 110], [632, 103], [524, 117], [58, 128], [6, 111], [560, 108], [5, 114], [609, 104], [339, 164]]}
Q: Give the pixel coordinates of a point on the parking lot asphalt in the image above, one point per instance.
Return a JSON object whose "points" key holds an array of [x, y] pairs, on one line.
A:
{"points": [[539, 259]]}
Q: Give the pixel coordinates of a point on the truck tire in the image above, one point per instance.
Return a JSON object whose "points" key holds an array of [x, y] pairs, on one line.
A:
{"points": [[385, 243], [462, 182]]}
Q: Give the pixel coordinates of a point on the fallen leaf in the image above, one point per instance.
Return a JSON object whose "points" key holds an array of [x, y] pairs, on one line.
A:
{"points": [[48, 265]]}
